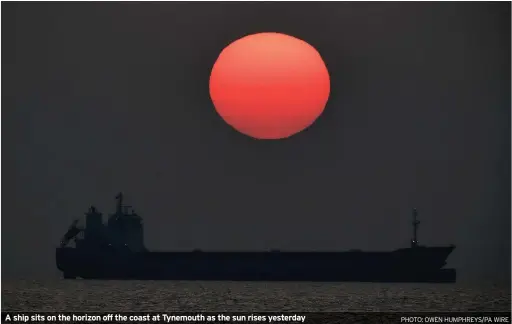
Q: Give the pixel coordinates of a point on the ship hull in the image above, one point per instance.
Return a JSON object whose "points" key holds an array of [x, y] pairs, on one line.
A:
{"points": [[419, 264]]}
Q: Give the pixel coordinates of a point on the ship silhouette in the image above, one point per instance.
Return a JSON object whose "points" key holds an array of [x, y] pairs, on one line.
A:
{"points": [[116, 251]]}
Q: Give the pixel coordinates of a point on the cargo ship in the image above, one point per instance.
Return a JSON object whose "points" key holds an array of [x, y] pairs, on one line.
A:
{"points": [[116, 251]]}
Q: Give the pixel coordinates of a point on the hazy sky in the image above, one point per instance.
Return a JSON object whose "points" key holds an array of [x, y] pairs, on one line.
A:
{"points": [[102, 97]]}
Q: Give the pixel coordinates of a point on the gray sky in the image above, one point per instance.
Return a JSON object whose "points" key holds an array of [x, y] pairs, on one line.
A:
{"points": [[102, 97]]}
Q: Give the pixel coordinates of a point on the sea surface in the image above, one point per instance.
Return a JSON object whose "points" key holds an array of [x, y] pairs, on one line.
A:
{"points": [[90, 295]]}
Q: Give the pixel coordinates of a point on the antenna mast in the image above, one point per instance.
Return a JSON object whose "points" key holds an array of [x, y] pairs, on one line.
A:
{"points": [[415, 223], [119, 198]]}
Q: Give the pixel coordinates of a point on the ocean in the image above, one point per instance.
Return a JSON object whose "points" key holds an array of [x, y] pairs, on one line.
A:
{"points": [[90, 295]]}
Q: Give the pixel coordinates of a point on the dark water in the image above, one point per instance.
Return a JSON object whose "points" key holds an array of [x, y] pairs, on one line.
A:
{"points": [[82, 295]]}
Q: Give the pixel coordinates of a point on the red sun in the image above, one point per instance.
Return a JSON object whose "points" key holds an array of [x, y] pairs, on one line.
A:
{"points": [[269, 85]]}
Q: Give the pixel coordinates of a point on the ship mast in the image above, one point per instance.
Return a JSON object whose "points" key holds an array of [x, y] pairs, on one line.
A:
{"points": [[119, 198], [415, 223]]}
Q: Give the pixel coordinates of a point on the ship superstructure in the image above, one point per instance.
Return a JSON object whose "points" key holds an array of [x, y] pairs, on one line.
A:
{"points": [[123, 231]]}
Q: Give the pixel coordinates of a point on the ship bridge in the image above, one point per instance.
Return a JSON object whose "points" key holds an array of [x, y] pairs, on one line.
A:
{"points": [[125, 227], [124, 230]]}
